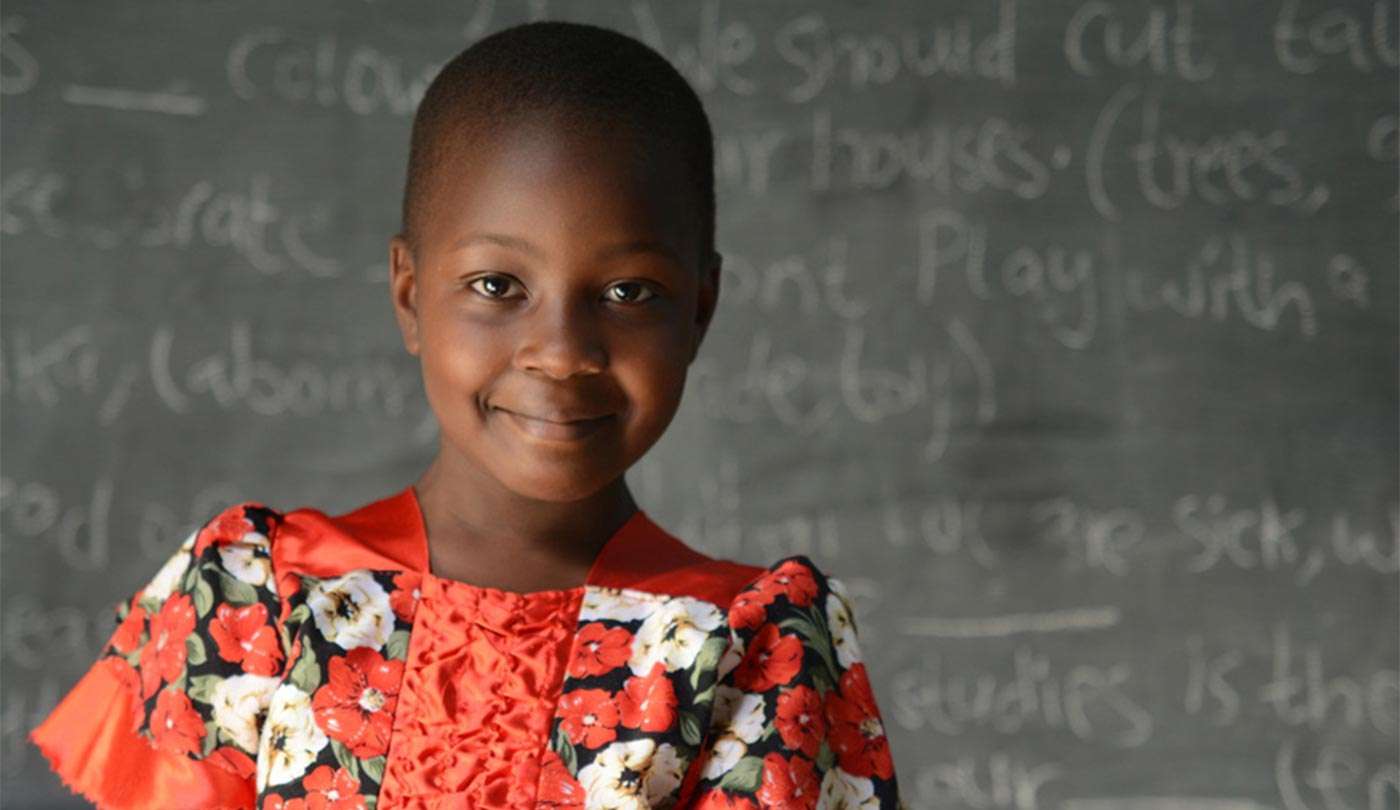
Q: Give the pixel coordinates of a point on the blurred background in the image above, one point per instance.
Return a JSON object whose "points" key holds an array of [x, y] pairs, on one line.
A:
{"points": [[1064, 332]]}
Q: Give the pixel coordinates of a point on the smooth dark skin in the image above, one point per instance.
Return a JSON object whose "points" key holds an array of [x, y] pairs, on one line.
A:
{"points": [[560, 322]]}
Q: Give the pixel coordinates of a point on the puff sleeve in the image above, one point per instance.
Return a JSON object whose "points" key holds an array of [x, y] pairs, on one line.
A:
{"points": [[170, 713], [794, 722]]}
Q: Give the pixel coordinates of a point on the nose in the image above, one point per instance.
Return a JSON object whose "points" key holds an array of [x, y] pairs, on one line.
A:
{"points": [[562, 339]]}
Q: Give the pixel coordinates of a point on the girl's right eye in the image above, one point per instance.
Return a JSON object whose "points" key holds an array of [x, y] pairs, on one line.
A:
{"points": [[498, 282]]}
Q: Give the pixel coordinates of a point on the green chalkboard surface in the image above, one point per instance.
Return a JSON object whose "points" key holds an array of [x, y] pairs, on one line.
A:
{"points": [[1064, 332]]}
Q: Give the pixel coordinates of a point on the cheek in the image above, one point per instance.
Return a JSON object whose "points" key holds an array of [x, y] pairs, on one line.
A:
{"points": [[453, 373], [654, 380]]}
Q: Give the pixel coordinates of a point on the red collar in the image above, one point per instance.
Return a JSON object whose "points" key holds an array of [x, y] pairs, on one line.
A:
{"points": [[389, 534]]}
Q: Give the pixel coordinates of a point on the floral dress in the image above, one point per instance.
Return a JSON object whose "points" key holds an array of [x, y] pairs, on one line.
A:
{"points": [[295, 660]]}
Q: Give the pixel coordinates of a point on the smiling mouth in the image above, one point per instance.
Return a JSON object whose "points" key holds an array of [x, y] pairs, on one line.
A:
{"points": [[556, 431]]}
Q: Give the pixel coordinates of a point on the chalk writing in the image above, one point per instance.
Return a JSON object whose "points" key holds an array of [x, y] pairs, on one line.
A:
{"points": [[1331, 777], [325, 72], [236, 377], [1098, 32], [998, 780], [1368, 42], [79, 533], [1315, 699], [1090, 702], [994, 154], [1224, 168], [862, 61], [168, 102], [271, 238], [1267, 537]]}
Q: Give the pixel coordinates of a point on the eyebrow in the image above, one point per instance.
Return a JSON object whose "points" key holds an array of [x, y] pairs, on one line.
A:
{"points": [[526, 246]]}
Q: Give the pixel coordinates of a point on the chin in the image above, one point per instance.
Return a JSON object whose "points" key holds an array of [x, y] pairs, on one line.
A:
{"points": [[554, 488]]}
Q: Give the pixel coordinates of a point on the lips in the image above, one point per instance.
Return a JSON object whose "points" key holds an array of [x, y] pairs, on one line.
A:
{"points": [[558, 417], [561, 427]]}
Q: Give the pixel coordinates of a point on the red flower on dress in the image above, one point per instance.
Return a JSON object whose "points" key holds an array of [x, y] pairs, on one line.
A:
{"points": [[558, 787], [274, 802], [750, 608], [716, 799], [163, 657], [245, 637], [799, 719], [589, 717], [771, 660], [176, 725], [233, 759], [128, 634], [330, 788], [788, 783], [356, 705], [228, 527], [648, 702], [857, 735], [793, 580], [407, 592], [600, 649]]}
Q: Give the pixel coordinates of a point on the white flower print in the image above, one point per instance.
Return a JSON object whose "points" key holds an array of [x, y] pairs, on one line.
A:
{"points": [[168, 577], [632, 775], [843, 627], [733, 654], [352, 610], [243, 560], [846, 791], [673, 634], [663, 778], [617, 604], [290, 737], [724, 755], [239, 704], [739, 713]]}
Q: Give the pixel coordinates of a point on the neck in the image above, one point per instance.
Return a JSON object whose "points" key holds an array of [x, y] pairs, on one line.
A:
{"points": [[476, 526]]}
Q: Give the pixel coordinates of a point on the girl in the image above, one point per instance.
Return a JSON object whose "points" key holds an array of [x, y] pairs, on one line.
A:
{"points": [[510, 630]]}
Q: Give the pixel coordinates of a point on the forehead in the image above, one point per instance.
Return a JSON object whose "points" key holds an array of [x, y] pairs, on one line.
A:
{"points": [[582, 181]]}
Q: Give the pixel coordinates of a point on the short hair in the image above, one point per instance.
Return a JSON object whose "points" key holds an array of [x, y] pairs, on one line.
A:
{"points": [[580, 72]]}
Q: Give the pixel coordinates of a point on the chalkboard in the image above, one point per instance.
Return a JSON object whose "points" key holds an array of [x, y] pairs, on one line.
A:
{"points": [[1064, 332]]}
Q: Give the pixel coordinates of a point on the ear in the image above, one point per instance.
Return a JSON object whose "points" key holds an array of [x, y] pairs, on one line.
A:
{"points": [[403, 290], [707, 300]]}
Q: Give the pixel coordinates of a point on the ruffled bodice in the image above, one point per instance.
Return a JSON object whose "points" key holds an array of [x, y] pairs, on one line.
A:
{"points": [[484, 672]]}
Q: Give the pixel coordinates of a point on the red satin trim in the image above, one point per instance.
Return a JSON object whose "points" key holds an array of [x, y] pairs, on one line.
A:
{"points": [[484, 673], [389, 534], [89, 742]]}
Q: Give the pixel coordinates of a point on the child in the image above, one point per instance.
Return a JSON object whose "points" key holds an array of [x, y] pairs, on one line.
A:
{"points": [[511, 630]]}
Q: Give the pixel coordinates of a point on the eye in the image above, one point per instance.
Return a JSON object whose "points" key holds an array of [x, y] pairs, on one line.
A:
{"points": [[632, 298], [498, 283]]}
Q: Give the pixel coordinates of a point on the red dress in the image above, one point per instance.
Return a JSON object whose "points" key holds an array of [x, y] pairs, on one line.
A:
{"points": [[290, 660]]}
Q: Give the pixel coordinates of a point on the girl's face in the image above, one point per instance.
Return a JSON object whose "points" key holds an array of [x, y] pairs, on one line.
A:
{"points": [[555, 304]]}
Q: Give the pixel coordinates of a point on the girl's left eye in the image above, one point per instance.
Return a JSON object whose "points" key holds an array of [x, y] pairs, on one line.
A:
{"points": [[633, 284]]}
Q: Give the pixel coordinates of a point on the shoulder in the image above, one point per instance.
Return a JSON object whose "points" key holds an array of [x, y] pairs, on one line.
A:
{"points": [[230, 554], [794, 583], [306, 540], [242, 523], [241, 528], [647, 557], [674, 568]]}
